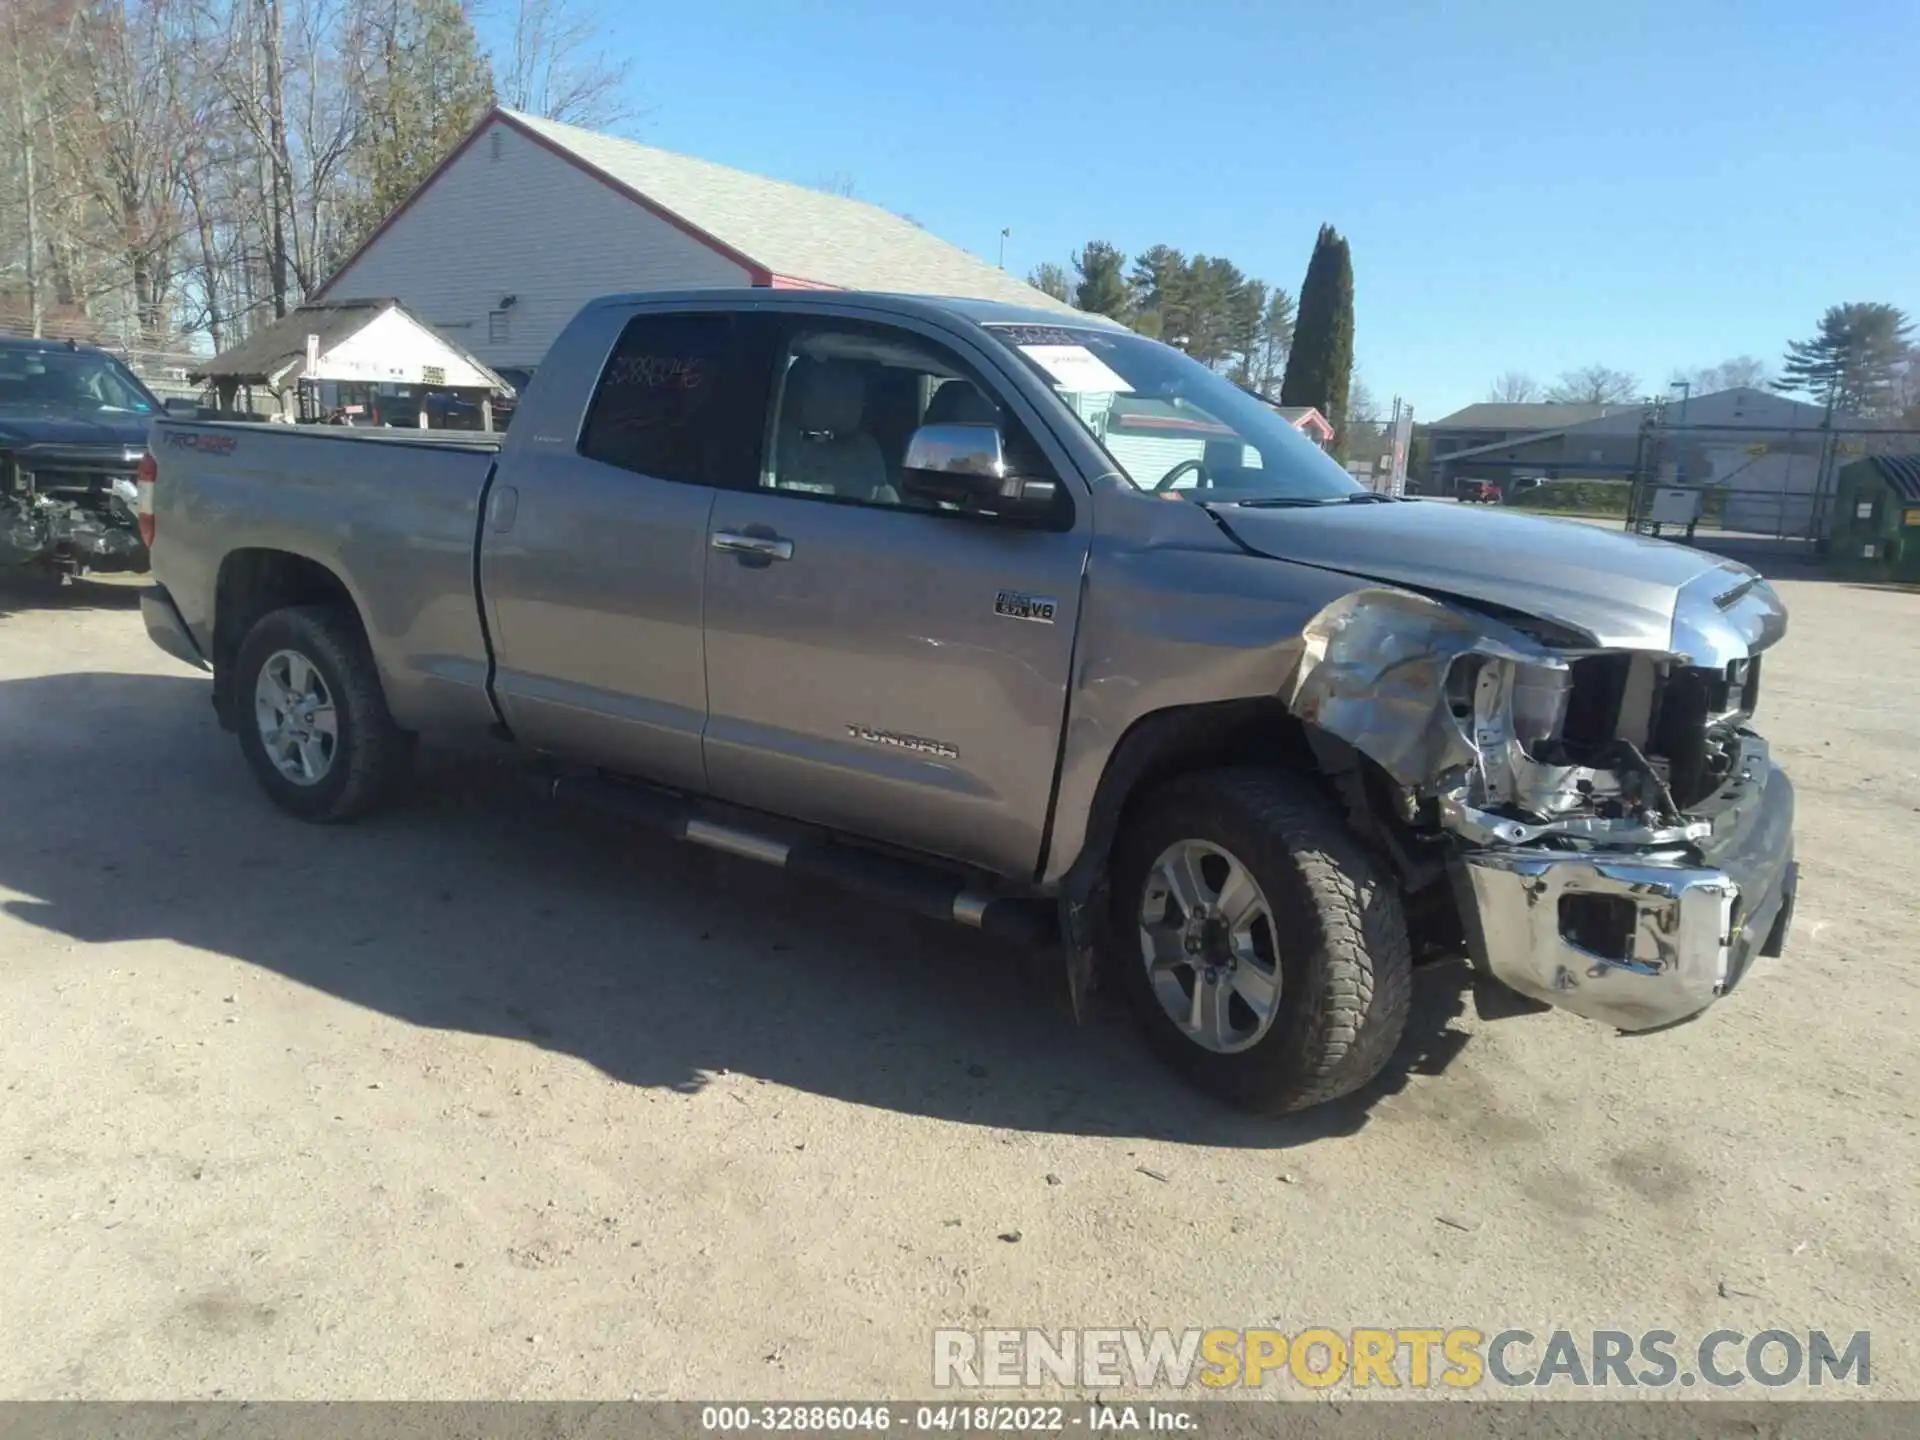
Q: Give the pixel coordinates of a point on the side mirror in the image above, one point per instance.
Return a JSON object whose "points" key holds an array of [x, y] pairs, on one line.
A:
{"points": [[966, 465], [182, 407]]}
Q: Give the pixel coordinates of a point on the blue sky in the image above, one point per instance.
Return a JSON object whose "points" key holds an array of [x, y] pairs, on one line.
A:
{"points": [[1528, 186]]}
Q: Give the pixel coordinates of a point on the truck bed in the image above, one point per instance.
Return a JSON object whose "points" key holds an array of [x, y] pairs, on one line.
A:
{"points": [[394, 512]]}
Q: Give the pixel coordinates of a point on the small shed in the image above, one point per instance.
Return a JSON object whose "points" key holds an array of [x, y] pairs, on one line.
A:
{"points": [[1876, 518], [365, 362]]}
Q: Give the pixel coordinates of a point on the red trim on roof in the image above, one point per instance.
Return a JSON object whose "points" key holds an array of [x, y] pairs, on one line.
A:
{"points": [[794, 282], [757, 274]]}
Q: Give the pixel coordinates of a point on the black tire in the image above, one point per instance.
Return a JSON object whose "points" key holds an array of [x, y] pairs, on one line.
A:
{"points": [[371, 755], [1341, 939]]}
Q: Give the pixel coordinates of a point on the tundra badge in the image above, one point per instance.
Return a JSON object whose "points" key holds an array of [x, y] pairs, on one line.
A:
{"points": [[1017, 606], [916, 743]]}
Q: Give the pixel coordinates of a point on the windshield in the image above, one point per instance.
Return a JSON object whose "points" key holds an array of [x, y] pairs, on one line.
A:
{"points": [[71, 380], [1171, 424]]}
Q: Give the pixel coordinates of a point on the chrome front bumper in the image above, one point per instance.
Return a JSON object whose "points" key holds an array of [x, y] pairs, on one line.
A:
{"points": [[1639, 940]]}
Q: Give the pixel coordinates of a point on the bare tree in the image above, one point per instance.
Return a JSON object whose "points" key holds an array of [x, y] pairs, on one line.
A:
{"points": [[554, 67], [1742, 372], [838, 183], [1514, 388], [1595, 385]]}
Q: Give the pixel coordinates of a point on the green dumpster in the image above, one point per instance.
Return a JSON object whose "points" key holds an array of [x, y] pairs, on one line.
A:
{"points": [[1876, 519]]}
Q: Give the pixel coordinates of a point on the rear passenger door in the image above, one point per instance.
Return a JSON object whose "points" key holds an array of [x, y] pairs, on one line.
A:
{"points": [[594, 554], [879, 665]]}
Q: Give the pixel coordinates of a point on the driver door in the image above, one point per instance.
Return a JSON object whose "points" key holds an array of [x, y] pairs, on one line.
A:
{"points": [[871, 665]]}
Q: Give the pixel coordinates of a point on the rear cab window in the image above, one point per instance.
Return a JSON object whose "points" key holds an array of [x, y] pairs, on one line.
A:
{"points": [[683, 397]]}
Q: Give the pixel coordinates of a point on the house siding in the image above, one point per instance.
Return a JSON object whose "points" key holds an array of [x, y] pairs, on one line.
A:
{"points": [[510, 217]]}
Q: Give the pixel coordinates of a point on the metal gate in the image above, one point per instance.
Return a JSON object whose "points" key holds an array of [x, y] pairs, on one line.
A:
{"points": [[1758, 481]]}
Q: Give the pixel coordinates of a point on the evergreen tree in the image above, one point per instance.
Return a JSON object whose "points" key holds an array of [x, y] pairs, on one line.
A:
{"points": [[1103, 287], [1049, 279], [1158, 285], [1320, 365], [1275, 342], [1855, 359], [426, 85]]}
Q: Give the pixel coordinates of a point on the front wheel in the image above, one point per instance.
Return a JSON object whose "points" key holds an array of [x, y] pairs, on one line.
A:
{"points": [[1256, 940], [313, 718]]}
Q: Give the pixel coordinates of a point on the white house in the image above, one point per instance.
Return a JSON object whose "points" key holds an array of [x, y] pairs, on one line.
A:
{"points": [[528, 219]]}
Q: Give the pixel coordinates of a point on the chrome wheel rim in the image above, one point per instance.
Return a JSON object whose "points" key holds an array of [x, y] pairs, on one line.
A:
{"points": [[298, 724], [1208, 940]]}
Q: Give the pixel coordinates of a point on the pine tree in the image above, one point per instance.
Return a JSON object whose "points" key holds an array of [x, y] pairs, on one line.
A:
{"points": [[427, 86], [1103, 287], [1320, 365], [1854, 360]]}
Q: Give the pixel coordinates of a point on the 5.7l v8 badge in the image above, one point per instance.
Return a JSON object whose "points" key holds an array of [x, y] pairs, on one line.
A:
{"points": [[1015, 605]]}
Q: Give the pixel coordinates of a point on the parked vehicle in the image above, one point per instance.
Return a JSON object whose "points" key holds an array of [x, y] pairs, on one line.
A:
{"points": [[879, 589], [73, 425], [1479, 492]]}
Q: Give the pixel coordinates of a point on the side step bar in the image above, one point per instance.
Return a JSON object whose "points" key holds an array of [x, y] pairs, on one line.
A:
{"points": [[924, 889]]}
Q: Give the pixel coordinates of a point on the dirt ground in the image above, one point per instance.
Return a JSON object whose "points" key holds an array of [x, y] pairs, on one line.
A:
{"points": [[485, 1099]]}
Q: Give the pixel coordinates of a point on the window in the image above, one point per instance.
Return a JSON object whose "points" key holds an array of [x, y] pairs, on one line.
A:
{"points": [[499, 327], [493, 147], [850, 398], [681, 399]]}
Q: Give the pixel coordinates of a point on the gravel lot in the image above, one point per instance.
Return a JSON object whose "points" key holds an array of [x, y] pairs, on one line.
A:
{"points": [[485, 1099]]}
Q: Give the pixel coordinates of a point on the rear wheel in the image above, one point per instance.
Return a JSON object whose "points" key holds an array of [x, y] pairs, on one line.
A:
{"points": [[313, 718], [1257, 943]]}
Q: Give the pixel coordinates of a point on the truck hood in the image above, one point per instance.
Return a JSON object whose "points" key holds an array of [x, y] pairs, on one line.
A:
{"points": [[1622, 590], [22, 425]]}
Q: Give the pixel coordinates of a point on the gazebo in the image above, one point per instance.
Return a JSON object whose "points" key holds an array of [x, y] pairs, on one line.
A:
{"points": [[365, 362]]}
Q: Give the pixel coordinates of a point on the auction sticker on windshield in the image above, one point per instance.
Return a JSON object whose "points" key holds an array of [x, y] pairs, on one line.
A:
{"points": [[1074, 367]]}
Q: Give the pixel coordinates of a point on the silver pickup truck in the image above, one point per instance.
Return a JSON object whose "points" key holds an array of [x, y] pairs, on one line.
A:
{"points": [[1032, 624]]}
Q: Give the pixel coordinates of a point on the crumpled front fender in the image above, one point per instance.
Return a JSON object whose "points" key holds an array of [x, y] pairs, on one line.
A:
{"points": [[1373, 671]]}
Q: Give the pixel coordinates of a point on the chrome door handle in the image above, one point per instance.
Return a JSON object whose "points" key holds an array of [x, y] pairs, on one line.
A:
{"points": [[758, 547]]}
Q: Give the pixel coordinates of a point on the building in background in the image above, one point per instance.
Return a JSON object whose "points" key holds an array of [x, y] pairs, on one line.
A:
{"points": [[529, 219], [1496, 423], [366, 362]]}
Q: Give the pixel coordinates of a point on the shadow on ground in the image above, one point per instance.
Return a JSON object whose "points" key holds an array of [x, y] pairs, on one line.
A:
{"points": [[32, 590], [479, 907]]}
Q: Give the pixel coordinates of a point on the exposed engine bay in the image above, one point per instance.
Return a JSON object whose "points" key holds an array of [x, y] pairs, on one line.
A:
{"points": [[70, 509]]}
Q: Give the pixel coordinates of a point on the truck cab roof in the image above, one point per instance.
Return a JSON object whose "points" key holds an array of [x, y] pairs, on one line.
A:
{"points": [[980, 312]]}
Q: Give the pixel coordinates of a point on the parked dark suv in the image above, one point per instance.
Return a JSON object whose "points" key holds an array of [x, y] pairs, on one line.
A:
{"points": [[73, 426]]}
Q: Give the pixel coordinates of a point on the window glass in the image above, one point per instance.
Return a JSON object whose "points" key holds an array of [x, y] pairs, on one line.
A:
{"points": [[1171, 424], [850, 398], [81, 380], [680, 399]]}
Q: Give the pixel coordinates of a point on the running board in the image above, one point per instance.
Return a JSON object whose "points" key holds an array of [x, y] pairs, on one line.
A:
{"points": [[924, 889]]}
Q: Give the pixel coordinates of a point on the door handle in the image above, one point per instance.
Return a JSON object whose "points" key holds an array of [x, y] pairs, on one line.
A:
{"points": [[753, 547]]}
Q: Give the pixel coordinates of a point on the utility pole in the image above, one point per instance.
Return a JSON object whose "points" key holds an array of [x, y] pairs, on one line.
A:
{"points": [[1004, 233]]}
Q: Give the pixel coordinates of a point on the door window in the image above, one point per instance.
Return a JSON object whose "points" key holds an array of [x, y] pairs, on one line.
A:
{"points": [[850, 397], [682, 398]]}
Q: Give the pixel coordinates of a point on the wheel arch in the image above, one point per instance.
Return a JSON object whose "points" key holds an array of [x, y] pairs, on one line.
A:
{"points": [[254, 582]]}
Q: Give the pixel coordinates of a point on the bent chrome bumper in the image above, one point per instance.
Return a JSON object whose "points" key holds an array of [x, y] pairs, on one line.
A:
{"points": [[1640, 940]]}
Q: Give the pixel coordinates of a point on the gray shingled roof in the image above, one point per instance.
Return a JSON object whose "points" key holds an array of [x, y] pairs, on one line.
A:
{"points": [[789, 229], [260, 359], [1534, 415]]}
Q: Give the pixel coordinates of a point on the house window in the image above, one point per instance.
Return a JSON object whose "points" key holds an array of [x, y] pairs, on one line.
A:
{"points": [[493, 147], [499, 327]]}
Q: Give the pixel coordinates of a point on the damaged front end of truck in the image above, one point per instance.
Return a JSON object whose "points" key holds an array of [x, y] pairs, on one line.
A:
{"points": [[72, 510], [1608, 831]]}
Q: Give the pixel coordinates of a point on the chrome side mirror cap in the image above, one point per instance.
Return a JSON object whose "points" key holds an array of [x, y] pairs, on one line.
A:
{"points": [[966, 465]]}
